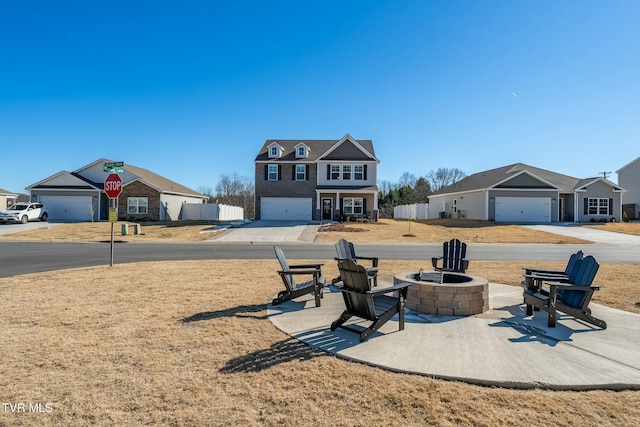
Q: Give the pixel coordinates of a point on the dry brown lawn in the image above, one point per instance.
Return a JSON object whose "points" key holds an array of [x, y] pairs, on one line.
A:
{"points": [[437, 231], [186, 231], [432, 231], [618, 227], [188, 343]]}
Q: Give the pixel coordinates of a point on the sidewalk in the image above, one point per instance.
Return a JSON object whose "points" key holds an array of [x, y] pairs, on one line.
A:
{"points": [[500, 347]]}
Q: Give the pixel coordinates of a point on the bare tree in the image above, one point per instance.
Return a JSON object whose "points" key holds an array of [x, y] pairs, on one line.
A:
{"points": [[443, 177], [235, 190], [407, 179]]}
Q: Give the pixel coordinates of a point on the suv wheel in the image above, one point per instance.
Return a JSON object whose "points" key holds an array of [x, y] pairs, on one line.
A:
{"points": [[24, 219], [44, 217]]}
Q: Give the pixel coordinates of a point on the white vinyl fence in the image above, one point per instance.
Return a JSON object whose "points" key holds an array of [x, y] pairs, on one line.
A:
{"points": [[211, 211], [415, 211]]}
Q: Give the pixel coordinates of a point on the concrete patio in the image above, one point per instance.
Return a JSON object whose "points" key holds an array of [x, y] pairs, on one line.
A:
{"points": [[501, 347]]}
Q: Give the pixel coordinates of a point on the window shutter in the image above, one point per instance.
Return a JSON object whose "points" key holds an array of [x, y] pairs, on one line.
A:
{"points": [[266, 172], [364, 206], [586, 206], [293, 172], [341, 205], [365, 172], [306, 172], [279, 172], [329, 172], [610, 206]]}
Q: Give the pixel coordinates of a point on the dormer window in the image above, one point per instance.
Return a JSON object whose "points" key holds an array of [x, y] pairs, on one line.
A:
{"points": [[302, 151], [273, 152]]}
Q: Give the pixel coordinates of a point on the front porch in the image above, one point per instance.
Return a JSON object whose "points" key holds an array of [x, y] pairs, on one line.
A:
{"points": [[346, 204]]}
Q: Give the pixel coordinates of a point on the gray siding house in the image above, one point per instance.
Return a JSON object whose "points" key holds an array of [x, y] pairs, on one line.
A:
{"points": [[629, 178], [79, 195], [525, 194], [316, 180]]}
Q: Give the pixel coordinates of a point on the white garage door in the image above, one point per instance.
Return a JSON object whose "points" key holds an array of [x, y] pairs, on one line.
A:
{"points": [[68, 208], [285, 208], [523, 209]]}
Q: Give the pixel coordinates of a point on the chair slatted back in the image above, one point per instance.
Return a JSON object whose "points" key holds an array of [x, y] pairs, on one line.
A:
{"points": [[572, 261], [354, 278], [345, 249], [586, 272], [453, 252], [288, 279]]}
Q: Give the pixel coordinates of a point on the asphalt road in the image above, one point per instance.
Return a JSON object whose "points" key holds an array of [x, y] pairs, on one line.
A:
{"points": [[31, 257]]}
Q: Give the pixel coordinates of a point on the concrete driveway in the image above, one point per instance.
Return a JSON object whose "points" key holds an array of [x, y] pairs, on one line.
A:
{"points": [[10, 227], [587, 233], [270, 232]]}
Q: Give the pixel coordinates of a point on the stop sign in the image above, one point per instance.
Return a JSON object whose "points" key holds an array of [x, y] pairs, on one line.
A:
{"points": [[113, 186]]}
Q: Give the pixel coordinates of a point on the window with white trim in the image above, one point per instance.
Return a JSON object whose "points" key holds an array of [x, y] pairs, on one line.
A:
{"points": [[352, 206], [358, 172], [302, 152], [301, 172], [598, 206], [346, 172], [335, 171], [273, 151], [272, 173], [137, 205]]}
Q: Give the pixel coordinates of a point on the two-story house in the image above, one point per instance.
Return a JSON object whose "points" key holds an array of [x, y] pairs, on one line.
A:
{"points": [[316, 180]]}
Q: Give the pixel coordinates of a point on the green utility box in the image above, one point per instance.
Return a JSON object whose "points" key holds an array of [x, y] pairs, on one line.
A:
{"points": [[125, 229]]}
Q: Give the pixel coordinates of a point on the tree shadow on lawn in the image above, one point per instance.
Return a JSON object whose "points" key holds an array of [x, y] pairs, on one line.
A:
{"points": [[283, 351], [242, 311], [460, 223]]}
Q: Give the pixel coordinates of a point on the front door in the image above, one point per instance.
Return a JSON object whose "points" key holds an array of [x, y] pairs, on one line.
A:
{"points": [[327, 209]]}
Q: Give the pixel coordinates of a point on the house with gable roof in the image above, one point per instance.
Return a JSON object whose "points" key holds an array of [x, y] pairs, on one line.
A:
{"points": [[79, 195], [316, 179], [522, 193]]}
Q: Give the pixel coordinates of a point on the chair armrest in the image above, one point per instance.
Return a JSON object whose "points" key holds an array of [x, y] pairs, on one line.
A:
{"points": [[434, 261], [398, 287], [572, 286], [299, 272], [530, 270], [306, 266], [539, 277]]}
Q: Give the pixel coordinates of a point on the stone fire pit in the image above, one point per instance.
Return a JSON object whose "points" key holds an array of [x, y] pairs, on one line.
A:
{"points": [[445, 294]]}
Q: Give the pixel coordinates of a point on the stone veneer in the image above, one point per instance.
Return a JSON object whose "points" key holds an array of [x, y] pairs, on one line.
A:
{"points": [[446, 299]]}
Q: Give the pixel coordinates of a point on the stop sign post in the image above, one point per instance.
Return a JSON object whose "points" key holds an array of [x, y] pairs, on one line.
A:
{"points": [[113, 188]]}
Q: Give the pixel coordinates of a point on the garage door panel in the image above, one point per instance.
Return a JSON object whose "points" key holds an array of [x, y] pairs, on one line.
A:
{"points": [[523, 209], [285, 208], [68, 208]]}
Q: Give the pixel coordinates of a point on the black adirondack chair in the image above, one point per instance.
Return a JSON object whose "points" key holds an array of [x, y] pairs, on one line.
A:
{"points": [[346, 250], [453, 257], [571, 297], [361, 301], [533, 277], [293, 289]]}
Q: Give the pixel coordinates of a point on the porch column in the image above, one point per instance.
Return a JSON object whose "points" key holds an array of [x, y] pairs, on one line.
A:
{"points": [[317, 199], [375, 201], [337, 200]]}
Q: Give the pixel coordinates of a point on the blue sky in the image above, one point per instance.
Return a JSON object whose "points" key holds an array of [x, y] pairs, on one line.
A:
{"points": [[192, 89]]}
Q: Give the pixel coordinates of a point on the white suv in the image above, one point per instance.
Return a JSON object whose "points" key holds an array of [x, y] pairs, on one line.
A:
{"points": [[24, 212]]}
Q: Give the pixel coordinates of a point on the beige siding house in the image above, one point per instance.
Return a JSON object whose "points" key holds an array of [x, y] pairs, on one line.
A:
{"points": [[521, 193], [7, 199]]}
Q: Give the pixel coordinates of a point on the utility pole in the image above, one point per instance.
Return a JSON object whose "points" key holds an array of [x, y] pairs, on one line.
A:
{"points": [[604, 174]]}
